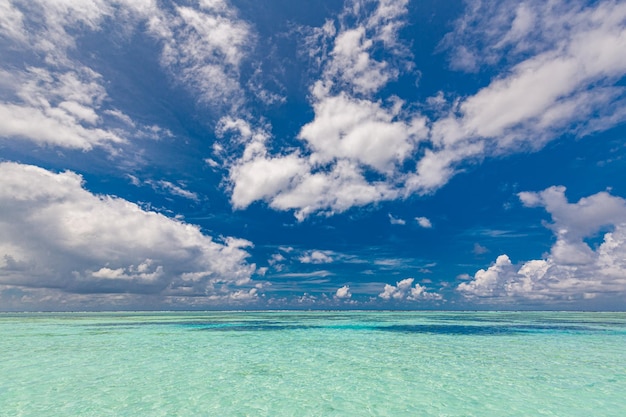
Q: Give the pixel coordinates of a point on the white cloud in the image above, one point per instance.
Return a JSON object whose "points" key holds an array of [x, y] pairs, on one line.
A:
{"points": [[55, 99], [55, 234], [263, 178], [424, 222], [397, 221], [11, 21], [572, 269], [390, 262], [173, 189], [343, 293], [351, 62], [486, 282], [276, 258], [333, 192], [360, 130], [316, 257], [45, 25], [58, 100], [57, 108], [561, 66], [287, 184], [351, 132], [404, 290], [575, 221], [203, 49]]}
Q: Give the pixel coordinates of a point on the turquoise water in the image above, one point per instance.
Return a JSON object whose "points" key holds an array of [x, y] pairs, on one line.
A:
{"points": [[313, 364]]}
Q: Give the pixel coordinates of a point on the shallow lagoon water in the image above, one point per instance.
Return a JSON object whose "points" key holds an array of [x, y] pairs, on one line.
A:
{"points": [[313, 364]]}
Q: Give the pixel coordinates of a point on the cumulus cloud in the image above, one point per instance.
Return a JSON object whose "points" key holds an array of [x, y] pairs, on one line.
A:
{"points": [[572, 269], [352, 132], [343, 293], [405, 290], [485, 282], [57, 235], [360, 130], [559, 67], [424, 222], [554, 78]]}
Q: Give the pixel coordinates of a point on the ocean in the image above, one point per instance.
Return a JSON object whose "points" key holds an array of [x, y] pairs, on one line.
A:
{"points": [[313, 364]]}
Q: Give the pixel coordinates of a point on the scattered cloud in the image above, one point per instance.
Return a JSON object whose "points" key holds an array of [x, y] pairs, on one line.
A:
{"points": [[479, 249], [56, 105], [424, 222], [548, 69], [343, 293], [276, 258], [572, 270], [395, 220], [404, 290], [390, 262], [316, 257]]}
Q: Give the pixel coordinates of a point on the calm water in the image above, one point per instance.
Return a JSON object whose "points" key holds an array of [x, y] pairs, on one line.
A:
{"points": [[313, 364]]}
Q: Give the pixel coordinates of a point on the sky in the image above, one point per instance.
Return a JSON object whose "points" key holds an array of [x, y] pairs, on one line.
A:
{"points": [[391, 154]]}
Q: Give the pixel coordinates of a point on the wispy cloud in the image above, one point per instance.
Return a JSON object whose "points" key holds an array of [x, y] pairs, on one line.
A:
{"points": [[203, 48], [396, 221], [479, 249], [321, 273], [171, 188], [57, 99], [555, 80]]}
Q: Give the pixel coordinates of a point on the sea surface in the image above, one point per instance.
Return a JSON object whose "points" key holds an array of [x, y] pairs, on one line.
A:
{"points": [[313, 364]]}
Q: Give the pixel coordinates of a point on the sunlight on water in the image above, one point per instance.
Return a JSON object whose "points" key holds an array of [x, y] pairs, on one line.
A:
{"points": [[313, 364]]}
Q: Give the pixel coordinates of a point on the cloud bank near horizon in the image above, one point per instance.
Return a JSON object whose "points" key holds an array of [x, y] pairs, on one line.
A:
{"points": [[59, 236], [572, 270]]}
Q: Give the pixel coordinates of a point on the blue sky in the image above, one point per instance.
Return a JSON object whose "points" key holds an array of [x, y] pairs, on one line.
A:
{"points": [[385, 154]]}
